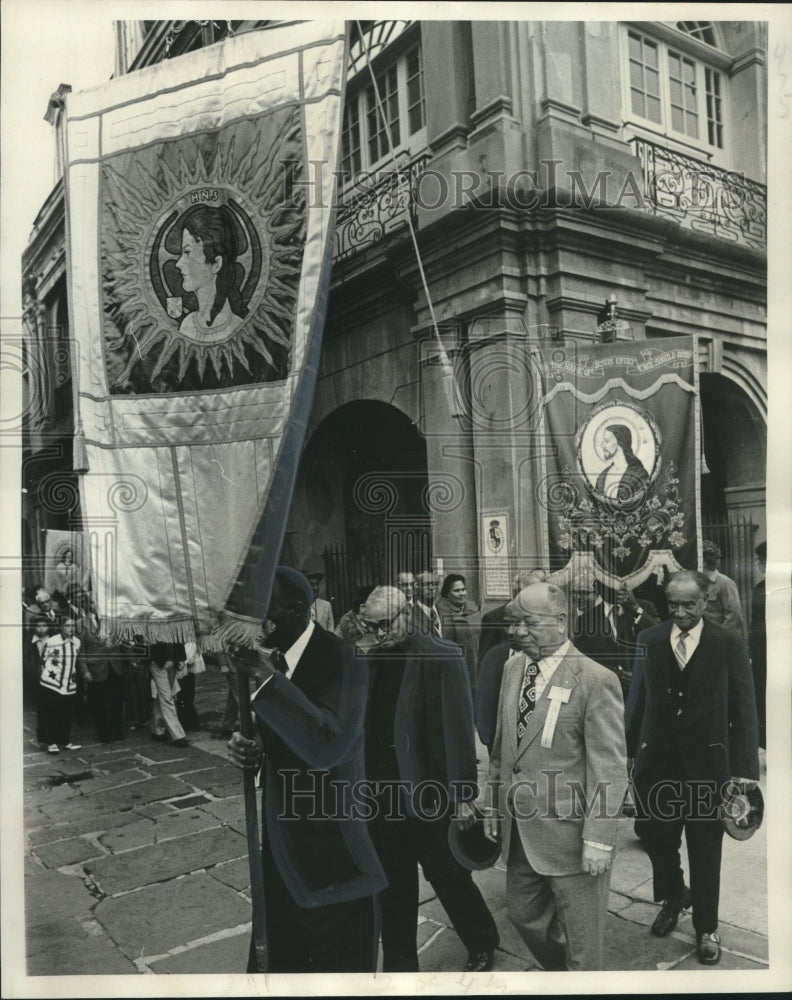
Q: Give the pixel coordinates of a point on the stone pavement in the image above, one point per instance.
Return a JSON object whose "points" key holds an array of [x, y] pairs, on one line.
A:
{"points": [[135, 862]]}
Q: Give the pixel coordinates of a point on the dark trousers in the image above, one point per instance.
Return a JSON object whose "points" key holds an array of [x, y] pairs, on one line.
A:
{"points": [[403, 844], [341, 937], [54, 716], [106, 700], [704, 838], [185, 702]]}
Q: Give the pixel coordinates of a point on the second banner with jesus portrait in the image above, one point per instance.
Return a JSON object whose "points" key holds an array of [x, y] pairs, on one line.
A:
{"points": [[621, 457]]}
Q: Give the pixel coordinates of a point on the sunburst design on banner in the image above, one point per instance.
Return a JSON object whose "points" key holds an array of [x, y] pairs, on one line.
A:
{"points": [[202, 252]]}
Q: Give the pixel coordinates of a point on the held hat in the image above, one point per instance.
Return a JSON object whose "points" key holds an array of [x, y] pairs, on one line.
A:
{"points": [[470, 847], [742, 813]]}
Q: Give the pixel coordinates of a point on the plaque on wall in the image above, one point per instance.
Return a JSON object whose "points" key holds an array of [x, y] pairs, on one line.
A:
{"points": [[495, 550]]}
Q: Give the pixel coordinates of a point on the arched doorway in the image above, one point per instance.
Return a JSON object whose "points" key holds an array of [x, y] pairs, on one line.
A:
{"points": [[359, 509], [733, 483]]}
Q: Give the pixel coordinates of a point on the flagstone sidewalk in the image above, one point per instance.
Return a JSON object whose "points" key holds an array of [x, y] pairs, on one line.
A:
{"points": [[136, 862]]}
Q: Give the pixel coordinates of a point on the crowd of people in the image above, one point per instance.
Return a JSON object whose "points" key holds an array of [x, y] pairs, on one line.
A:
{"points": [[582, 695], [74, 674], [592, 705]]}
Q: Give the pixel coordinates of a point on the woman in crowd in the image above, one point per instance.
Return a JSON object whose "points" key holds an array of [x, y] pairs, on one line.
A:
{"points": [[460, 620]]}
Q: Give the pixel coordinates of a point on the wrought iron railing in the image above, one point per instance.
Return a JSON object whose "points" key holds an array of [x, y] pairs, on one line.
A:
{"points": [[703, 197], [374, 205]]}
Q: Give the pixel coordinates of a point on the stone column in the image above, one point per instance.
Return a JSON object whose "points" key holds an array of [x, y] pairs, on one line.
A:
{"points": [[505, 407]]}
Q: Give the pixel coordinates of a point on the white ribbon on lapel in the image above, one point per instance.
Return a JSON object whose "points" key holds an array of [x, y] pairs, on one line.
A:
{"points": [[558, 696]]}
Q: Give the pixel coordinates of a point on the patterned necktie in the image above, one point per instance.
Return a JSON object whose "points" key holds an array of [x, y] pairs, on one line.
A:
{"points": [[680, 652], [527, 698], [279, 661]]}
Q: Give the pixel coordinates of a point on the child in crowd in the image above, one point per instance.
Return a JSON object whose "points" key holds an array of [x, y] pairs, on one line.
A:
{"points": [[58, 687], [34, 658]]}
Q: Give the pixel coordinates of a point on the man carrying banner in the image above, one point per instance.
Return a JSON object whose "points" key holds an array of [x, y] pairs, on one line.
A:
{"points": [[321, 871]]}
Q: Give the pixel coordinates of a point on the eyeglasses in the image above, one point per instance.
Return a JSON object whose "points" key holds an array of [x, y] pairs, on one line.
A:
{"points": [[383, 625]]}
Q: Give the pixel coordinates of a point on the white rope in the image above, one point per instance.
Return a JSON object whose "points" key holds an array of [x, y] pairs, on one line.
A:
{"points": [[445, 363]]}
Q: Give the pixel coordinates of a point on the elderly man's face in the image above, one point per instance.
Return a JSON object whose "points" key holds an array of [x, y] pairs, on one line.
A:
{"points": [[384, 619], [582, 599], [406, 584], [538, 629], [427, 588], [685, 603]]}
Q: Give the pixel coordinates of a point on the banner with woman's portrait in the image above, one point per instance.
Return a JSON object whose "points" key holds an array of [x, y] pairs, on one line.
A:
{"points": [[200, 194], [621, 456]]}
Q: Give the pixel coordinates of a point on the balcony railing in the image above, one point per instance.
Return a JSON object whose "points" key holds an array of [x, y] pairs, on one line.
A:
{"points": [[375, 205], [703, 197]]}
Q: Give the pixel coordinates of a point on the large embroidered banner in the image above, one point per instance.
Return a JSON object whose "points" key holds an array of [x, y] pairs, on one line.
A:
{"points": [[200, 198], [622, 459]]}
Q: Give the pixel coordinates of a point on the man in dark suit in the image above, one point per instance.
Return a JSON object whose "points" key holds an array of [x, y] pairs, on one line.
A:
{"points": [[321, 872], [422, 763], [493, 651], [607, 629], [494, 627], [691, 727]]}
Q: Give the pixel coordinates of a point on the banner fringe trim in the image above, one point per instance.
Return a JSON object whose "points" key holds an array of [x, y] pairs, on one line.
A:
{"points": [[147, 630], [234, 629]]}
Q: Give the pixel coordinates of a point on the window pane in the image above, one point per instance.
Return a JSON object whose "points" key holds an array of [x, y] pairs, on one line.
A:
{"points": [[690, 72], [714, 108], [650, 53], [653, 82], [636, 75], [653, 109], [673, 65], [634, 46], [638, 103], [677, 119], [676, 92], [691, 123], [415, 98]]}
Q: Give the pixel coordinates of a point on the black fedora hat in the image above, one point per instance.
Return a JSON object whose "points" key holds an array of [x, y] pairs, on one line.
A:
{"points": [[742, 813], [470, 847]]}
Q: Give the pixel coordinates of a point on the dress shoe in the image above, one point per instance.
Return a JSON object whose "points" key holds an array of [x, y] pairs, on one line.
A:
{"points": [[180, 743], [53, 748], [708, 949], [668, 916], [481, 961], [72, 746]]}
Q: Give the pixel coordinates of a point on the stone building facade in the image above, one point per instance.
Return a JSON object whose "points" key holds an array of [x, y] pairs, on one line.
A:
{"points": [[544, 168]]}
